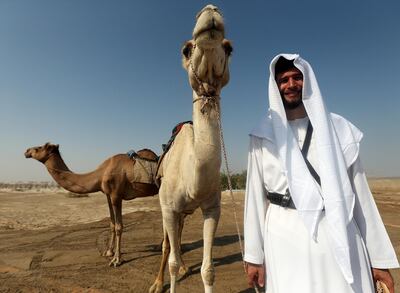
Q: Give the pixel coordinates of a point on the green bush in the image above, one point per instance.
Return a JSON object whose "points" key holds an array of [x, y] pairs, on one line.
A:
{"points": [[238, 181]]}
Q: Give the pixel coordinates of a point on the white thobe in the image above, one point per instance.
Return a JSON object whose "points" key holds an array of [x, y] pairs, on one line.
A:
{"points": [[277, 236]]}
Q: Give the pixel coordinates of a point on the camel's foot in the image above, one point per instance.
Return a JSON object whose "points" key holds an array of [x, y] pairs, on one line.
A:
{"points": [[156, 287], [115, 262], [108, 253]]}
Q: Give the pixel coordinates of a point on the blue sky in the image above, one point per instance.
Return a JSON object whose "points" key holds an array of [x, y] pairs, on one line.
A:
{"points": [[104, 77]]}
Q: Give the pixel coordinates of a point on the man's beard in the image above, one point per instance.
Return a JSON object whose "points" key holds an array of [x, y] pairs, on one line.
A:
{"points": [[293, 104]]}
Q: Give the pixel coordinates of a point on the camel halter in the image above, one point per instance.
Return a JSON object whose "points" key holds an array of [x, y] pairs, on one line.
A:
{"points": [[206, 99]]}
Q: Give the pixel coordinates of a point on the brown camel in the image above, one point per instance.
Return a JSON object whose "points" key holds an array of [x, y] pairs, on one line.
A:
{"points": [[191, 168], [114, 177]]}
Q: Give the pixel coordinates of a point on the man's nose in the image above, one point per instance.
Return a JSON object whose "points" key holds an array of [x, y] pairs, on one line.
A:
{"points": [[292, 82]]}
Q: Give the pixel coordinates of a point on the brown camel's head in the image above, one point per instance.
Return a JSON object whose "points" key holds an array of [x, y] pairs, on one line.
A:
{"points": [[42, 153], [206, 56]]}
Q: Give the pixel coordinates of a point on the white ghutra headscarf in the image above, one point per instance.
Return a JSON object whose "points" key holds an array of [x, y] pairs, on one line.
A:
{"points": [[336, 194]]}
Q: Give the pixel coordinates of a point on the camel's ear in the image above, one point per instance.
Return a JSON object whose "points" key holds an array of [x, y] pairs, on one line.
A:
{"points": [[57, 146], [187, 49], [227, 47], [47, 144]]}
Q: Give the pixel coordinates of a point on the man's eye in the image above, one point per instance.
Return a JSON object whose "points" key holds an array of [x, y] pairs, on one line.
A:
{"points": [[298, 77], [283, 80]]}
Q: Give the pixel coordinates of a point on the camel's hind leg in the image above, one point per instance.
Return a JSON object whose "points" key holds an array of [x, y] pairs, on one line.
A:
{"points": [[158, 283], [111, 240], [183, 270], [117, 208]]}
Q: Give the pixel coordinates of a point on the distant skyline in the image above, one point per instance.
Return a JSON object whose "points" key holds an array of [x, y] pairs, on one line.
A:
{"points": [[103, 77]]}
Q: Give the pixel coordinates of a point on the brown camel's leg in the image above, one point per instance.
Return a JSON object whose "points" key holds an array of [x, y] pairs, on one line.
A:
{"points": [[111, 240], [158, 283], [117, 208]]}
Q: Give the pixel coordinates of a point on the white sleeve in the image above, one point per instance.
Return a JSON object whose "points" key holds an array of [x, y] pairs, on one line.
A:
{"points": [[369, 221], [255, 205]]}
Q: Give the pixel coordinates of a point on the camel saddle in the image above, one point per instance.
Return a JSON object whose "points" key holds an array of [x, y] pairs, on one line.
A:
{"points": [[166, 147], [144, 169]]}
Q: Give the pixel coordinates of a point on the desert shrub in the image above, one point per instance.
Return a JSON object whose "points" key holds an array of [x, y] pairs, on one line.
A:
{"points": [[238, 180]]}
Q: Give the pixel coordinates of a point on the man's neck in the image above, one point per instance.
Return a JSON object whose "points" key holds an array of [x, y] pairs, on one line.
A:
{"points": [[297, 113]]}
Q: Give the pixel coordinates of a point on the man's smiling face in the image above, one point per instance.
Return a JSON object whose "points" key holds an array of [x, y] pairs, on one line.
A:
{"points": [[290, 84]]}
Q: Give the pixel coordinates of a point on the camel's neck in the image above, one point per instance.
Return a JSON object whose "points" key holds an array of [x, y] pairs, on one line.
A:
{"points": [[77, 183], [207, 145]]}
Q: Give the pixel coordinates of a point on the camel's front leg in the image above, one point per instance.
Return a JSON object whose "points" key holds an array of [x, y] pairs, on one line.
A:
{"points": [[211, 218], [171, 223], [117, 208], [111, 240]]}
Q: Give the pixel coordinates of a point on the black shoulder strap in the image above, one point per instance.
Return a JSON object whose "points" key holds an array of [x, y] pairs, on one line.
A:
{"points": [[304, 152]]}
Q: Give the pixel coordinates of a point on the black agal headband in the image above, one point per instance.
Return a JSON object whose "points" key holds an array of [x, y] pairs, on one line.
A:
{"points": [[283, 65]]}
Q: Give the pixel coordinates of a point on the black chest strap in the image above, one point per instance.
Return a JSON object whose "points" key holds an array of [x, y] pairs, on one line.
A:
{"points": [[304, 152]]}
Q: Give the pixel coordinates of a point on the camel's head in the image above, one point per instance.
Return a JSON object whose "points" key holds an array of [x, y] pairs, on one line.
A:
{"points": [[209, 30], [206, 56], [42, 153]]}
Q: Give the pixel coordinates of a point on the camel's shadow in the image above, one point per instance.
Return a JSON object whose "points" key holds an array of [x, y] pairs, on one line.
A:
{"points": [[186, 247], [218, 241], [218, 261]]}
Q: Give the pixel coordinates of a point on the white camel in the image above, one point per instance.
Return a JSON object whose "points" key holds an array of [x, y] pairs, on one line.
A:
{"points": [[191, 168]]}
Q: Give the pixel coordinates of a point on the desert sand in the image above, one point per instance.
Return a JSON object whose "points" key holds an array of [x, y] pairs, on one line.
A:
{"points": [[50, 241]]}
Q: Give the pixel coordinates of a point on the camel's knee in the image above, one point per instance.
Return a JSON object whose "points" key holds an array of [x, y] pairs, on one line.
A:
{"points": [[118, 229], [208, 275], [112, 227], [173, 267]]}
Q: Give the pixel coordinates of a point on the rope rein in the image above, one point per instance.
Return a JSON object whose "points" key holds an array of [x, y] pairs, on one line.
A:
{"points": [[228, 173]]}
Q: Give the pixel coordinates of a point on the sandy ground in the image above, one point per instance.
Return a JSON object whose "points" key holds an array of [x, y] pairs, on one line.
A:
{"points": [[50, 242]]}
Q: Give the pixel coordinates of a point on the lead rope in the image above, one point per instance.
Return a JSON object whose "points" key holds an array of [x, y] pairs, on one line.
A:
{"points": [[206, 99], [228, 175]]}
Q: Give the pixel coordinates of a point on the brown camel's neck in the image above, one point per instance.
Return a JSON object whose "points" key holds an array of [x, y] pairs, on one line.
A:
{"points": [[77, 183]]}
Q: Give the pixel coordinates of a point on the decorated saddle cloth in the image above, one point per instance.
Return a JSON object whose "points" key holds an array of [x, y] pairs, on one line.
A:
{"points": [[166, 147], [144, 169]]}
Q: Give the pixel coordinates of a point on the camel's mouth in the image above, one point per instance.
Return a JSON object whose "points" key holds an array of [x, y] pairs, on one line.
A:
{"points": [[28, 155], [209, 25], [212, 31]]}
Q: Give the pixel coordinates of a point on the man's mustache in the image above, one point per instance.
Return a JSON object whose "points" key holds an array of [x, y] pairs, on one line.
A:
{"points": [[292, 92]]}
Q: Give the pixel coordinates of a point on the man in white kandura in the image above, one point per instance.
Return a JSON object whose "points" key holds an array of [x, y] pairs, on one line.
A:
{"points": [[311, 224]]}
